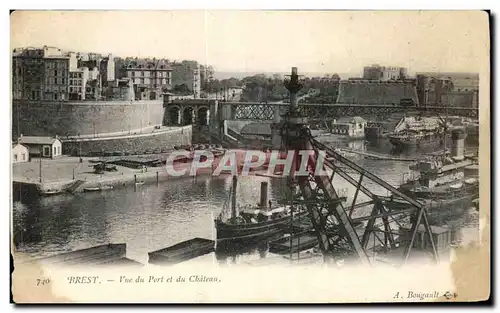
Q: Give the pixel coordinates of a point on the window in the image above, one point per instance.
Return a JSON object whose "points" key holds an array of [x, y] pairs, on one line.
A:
{"points": [[58, 150], [55, 151], [15, 157], [24, 156], [55, 72], [142, 73], [46, 151], [55, 96]]}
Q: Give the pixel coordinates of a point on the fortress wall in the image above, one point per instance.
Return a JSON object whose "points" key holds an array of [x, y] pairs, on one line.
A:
{"points": [[383, 93], [50, 118], [138, 144], [460, 99]]}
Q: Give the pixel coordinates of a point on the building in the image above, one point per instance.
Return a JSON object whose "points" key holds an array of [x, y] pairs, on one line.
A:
{"points": [[20, 153], [150, 77], [384, 73], [47, 147], [448, 89], [461, 81], [353, 128], [120, 89], [42, 73], [77, 82]]}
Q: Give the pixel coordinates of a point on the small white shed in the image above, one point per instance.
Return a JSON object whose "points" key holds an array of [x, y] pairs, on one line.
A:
{"points": [[46, 147]]}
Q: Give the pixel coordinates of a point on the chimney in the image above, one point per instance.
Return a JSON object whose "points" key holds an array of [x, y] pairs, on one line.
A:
{"points": [[263, 194], [234, 212], [458, 143]]}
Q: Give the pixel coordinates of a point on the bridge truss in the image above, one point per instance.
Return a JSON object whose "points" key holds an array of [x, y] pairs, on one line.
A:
{"points": [[263, 111], [332, 221]]}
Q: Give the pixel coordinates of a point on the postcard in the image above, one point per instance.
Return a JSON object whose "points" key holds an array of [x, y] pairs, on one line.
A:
{"points": [[224, 156]]}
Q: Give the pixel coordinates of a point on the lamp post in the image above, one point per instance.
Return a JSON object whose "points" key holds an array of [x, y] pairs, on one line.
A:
{"points": [[41, 148]]}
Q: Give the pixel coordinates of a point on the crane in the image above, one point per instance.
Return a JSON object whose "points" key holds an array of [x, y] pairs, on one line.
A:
{"points": [[332, 222]]}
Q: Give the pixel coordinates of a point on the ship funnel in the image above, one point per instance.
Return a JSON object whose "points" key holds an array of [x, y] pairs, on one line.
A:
{"points": [[234, 212], [263, 194], [458, 136]]}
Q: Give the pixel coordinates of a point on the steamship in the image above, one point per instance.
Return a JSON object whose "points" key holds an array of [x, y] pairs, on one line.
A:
{"points": [[253, 222], [445, 183], [415, 131]]}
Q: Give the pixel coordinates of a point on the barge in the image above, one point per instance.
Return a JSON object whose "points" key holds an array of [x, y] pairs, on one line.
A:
{"points": [[294, 243], [180, 252]]}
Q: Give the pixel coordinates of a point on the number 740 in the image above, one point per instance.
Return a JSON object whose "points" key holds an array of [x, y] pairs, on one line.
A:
{"points": [[42, 281]]}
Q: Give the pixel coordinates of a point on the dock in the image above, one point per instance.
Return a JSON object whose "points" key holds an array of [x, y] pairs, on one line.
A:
{"points": [[103, 255], [378, 156]]}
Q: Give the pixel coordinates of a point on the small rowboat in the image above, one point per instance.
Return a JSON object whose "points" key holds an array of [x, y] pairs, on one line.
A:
{"points": [[100, 188], [51, 192]]}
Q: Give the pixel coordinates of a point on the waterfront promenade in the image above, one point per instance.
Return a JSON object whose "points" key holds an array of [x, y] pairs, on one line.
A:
{"points": [[61, 172]]}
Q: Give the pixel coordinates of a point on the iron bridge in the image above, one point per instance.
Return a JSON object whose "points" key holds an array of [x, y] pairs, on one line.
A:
{"points": [[262, 111]]}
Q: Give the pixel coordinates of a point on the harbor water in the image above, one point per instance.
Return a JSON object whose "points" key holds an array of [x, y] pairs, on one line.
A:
{"points": [[152, 217]]}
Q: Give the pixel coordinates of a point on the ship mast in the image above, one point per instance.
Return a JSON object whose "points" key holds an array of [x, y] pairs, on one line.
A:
{"points": [[445, 123]]}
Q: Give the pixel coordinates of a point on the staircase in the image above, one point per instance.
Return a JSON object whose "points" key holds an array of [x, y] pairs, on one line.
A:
{"points": [[74, 186]]}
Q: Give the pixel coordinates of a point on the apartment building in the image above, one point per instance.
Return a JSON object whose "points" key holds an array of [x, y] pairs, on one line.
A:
{"points": [[150, 77], [42, 73]]}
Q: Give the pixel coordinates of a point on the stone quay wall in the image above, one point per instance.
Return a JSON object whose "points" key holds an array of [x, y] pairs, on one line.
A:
{"points": [[133, 144]]}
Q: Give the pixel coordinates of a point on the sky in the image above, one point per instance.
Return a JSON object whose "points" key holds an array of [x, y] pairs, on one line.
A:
{"points": [[270, 41]]}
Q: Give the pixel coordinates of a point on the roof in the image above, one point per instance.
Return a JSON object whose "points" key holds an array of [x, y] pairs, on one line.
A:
{"points": [[150, 64], [358, 119], [37, 140], [14, 144]]}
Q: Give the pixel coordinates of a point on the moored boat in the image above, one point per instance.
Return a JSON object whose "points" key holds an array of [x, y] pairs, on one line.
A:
{"points": [[181, 252], [98, 188], [51, 192], [253, 223], [294, 243], [416, 131], [440, 183]]}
